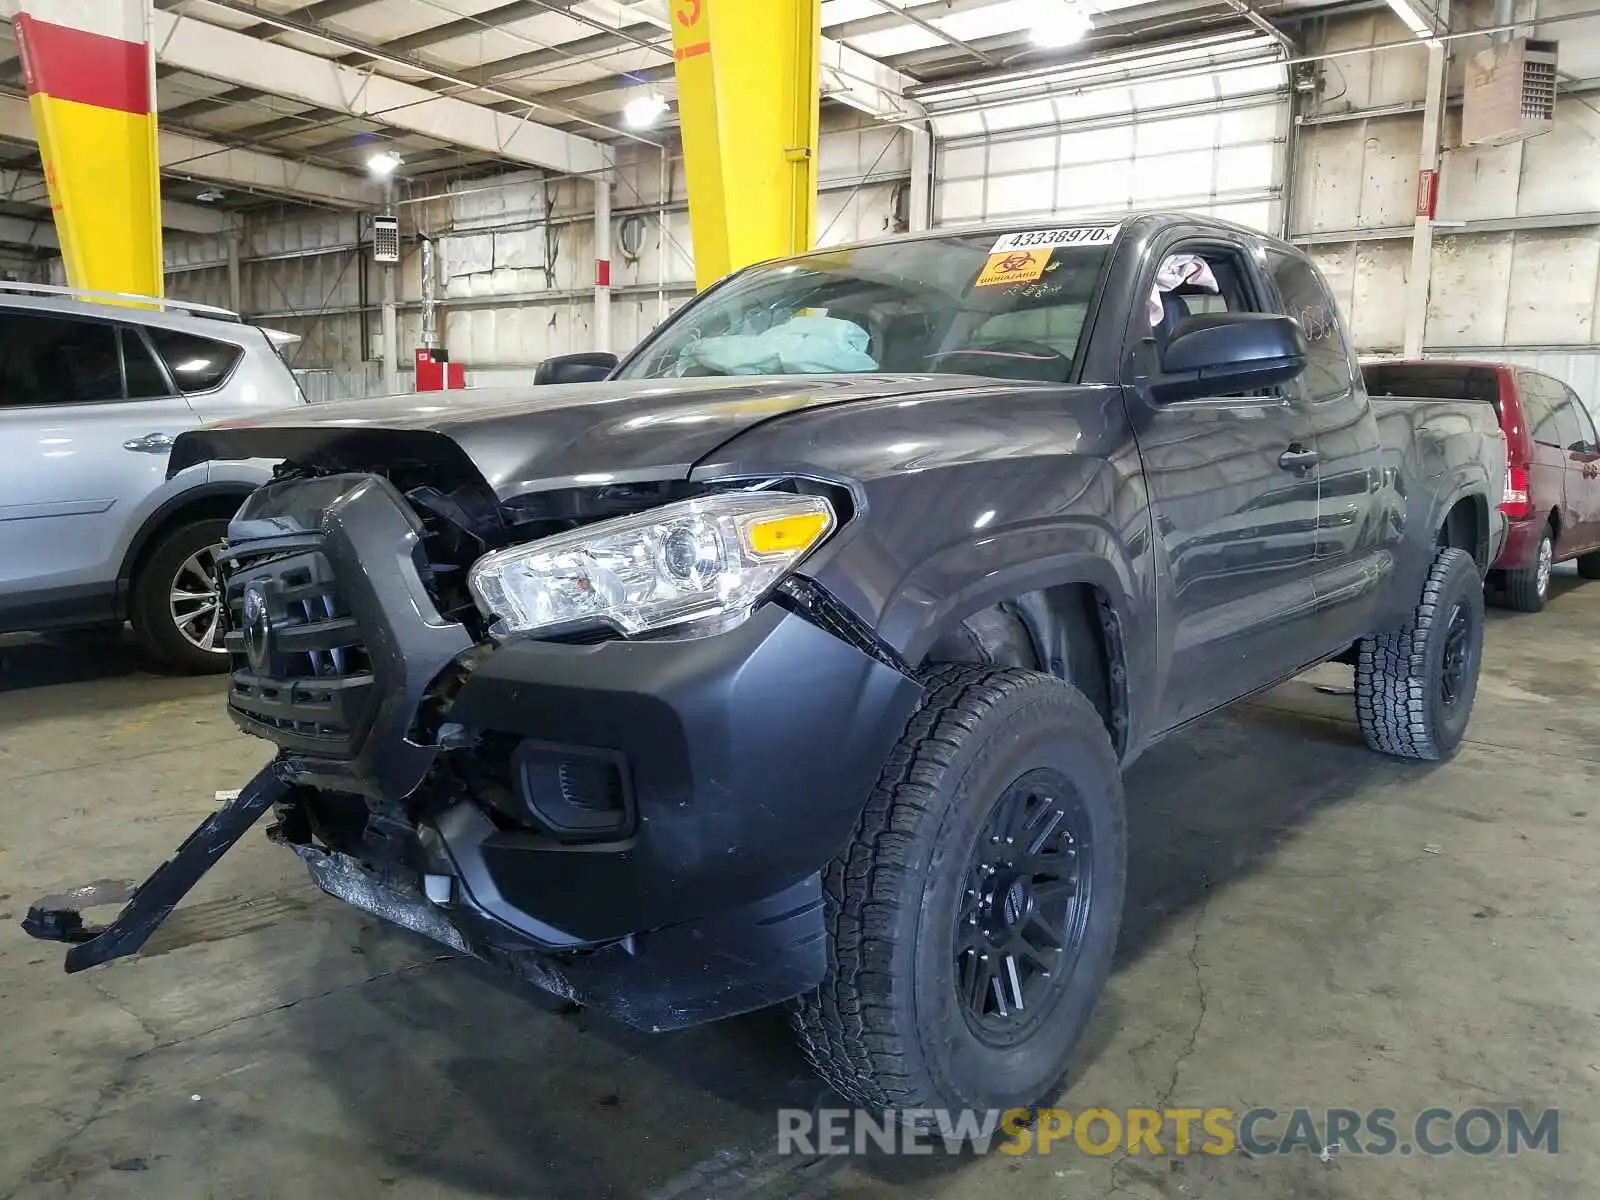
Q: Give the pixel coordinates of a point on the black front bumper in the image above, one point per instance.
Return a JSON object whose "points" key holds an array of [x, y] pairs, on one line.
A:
{"points": [[747, 757]]}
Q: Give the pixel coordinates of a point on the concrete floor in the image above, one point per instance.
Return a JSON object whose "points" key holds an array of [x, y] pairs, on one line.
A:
{"points": [[1308, 925]]}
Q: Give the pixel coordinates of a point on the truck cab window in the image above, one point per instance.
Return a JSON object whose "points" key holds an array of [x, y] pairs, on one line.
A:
{"points": [[1305, 298], [1190, 282]]}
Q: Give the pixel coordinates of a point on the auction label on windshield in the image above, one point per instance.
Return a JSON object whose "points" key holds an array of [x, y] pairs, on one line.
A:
{"points": [[1017, 266], [1054, 239]]}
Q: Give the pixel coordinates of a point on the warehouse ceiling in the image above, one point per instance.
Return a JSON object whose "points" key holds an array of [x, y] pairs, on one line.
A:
{"points": [[272, 100]]}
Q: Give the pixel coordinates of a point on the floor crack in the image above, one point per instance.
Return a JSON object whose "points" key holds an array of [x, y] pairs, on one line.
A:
{"points": [[1200, 994], [143, 1024], [408, 969], [1165, 1097]]}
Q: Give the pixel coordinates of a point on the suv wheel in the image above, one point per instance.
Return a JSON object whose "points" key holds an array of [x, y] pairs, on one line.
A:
{"points": [[1527, 588], [973, 917], [1415, 685], [175, 606]]}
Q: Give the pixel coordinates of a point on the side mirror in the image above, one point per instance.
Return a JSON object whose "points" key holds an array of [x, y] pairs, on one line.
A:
{"points": [[1218, 354], [590, 367]]}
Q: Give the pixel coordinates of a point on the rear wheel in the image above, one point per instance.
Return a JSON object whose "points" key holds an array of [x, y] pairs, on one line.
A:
{"points": [[973, 918], [175, 607], [1527, 588], [1589, 565], [1415, 685]]}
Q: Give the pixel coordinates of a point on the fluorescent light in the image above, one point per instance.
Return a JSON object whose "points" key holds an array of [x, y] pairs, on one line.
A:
{"points": [[644, 111], [384, 163], [1060, 23], [1416, 20]]}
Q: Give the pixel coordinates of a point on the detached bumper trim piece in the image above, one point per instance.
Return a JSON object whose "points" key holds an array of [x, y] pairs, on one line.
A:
{"points": [[154, 899]]}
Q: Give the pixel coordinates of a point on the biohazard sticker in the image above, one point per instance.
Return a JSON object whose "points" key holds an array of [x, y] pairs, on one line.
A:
{"points": [[1055, 239], [1018, 266]]}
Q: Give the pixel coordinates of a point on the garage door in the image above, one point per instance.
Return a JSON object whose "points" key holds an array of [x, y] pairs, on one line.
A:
{"points": [[1202, 128]]}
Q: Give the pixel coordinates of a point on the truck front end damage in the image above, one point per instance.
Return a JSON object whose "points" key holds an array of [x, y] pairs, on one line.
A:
{"points": [[636, 821]]}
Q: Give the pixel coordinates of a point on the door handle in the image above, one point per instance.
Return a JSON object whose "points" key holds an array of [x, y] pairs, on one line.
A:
{"points": [[1298, 458], [150, 443]]}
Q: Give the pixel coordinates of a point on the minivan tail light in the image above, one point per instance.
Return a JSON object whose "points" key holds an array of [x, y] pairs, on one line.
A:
{"points": [[1514, 502]]}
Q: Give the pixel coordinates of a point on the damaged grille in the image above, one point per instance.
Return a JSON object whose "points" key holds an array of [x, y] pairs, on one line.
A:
{"points": [[302, 676]]}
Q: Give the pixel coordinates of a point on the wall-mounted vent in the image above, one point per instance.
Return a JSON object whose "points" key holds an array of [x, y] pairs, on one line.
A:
{"points": [[386, 239], [1510, 93]]}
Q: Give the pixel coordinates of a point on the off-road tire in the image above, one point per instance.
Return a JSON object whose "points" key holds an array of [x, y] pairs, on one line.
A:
{"points": [[886, 1029], [1402, 699], [150, 607], [1524, 591]]}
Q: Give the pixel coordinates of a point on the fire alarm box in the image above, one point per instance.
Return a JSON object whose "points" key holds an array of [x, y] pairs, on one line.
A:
{"points": [[436, 373]]}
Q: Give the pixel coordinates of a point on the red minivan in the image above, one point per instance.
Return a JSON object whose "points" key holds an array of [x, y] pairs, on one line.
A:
{"points": [[1552, 494]]}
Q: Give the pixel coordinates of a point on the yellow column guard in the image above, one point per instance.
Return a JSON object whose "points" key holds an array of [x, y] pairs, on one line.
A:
{"points": [[748, 74], [93, 111]]}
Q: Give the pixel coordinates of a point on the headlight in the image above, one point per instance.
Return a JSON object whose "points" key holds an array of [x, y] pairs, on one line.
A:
{"points": [[712, 557]]}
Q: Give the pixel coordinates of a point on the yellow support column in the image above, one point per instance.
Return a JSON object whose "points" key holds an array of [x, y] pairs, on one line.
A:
{"points": [[748, 78], [90, 77]]}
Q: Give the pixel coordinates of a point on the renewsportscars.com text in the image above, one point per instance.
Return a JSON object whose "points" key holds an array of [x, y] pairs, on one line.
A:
{"points": [[1259, 1132]]}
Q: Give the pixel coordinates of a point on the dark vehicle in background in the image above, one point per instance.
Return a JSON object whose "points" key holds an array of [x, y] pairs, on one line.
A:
{"points": [[798, 660], [1552, 490]]}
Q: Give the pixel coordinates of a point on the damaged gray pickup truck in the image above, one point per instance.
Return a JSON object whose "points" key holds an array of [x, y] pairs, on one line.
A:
{"points": [[797, 658]]}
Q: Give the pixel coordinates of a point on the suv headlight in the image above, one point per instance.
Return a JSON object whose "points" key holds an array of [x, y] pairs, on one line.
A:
{"points": [[713, 557]]}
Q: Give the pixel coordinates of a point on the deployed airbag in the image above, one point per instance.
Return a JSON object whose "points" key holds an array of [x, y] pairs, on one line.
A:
{"points": [[809, 345]]}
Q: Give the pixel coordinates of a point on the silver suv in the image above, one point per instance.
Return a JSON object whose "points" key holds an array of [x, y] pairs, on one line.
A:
{"points": [[92, 393]]}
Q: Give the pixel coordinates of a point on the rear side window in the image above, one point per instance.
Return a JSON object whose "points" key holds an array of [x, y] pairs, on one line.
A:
{"points": [[1587, 441], [1327, 375], [1568, 431], [1539, 403], [197, 364], [145, 381], [57, 360]]}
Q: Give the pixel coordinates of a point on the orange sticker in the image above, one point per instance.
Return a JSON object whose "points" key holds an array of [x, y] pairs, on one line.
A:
{"points": [[1015, 266]]}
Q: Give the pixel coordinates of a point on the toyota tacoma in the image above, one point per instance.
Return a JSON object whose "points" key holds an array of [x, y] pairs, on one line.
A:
{"points": [[796, 657]]}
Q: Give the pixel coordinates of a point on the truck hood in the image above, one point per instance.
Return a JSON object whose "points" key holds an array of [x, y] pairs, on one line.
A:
{"points": [[523, 439]]}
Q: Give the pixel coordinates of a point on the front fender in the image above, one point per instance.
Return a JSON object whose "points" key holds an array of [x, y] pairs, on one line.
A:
{"points": [[976, 574]]}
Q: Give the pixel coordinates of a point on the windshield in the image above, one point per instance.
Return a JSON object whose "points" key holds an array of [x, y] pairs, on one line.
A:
{"points": [[1011, 307]]}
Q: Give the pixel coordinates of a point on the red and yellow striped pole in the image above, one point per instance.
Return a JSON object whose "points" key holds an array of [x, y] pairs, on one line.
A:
{"points": [[91, 85]]}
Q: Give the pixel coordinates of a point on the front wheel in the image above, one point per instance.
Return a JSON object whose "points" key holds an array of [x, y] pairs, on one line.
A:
{"points": [[1415, 685], [175, 606], [972, 919]]}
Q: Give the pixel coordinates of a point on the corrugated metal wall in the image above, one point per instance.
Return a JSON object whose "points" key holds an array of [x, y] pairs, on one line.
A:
{"points": [[1516, 261], [516, 263]]}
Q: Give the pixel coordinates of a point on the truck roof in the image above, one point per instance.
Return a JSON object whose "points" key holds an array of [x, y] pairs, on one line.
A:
{"points": [[1150, 218]]}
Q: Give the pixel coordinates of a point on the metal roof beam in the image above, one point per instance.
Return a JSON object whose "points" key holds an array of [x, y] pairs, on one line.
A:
{"points": [[185, 156], [28, 187], [37, 235], [194, 45]]}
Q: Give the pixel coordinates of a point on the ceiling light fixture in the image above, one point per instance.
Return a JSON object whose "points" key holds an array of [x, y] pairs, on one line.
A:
{"points": [[384, 163], [1416, 18], [644, 111], [1060, 23]]}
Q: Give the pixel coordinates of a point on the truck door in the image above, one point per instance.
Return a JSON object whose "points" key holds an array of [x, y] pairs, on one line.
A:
{"points": [[1355, 536], [86, 421], [1233, 491]]}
